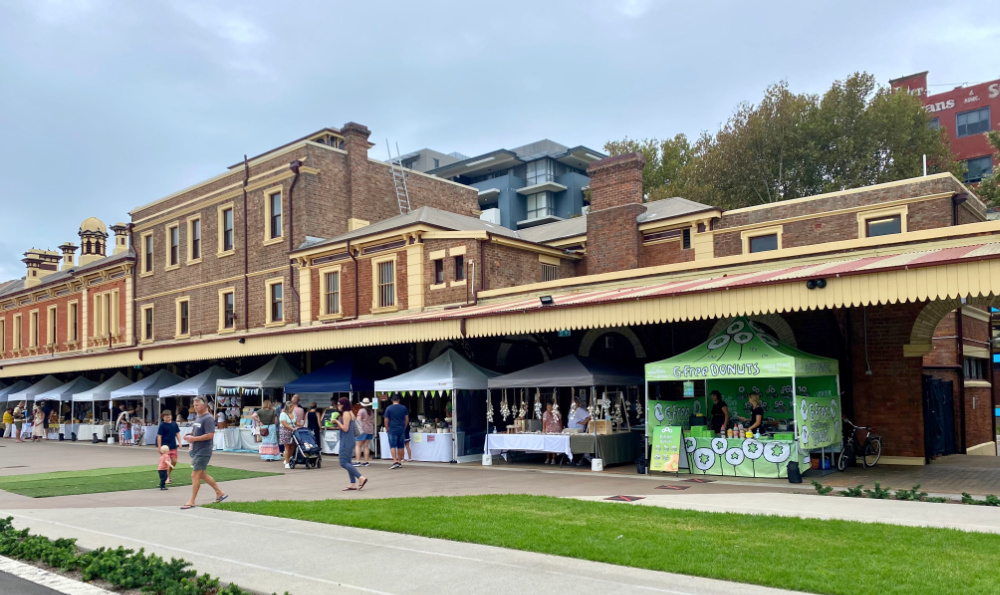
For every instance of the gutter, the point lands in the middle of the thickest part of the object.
(246, 250)
(294, 166)
(357, 305)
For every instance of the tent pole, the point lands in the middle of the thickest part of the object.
(454, 425)
(645, 433)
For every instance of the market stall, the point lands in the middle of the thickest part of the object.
(242, 395)
(16, 387)
(741, 360)
(449, 379)
(326, 385)
(204, 385)
(144, 390)
(64, 394)
(610, 390)
(95, 426)
(28, 396)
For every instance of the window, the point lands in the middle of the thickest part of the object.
(540, 205)
(764, 243)
(173, 245)
(686, 239)
(147, 253)
(550, 272)
(439, 271)
(227, 310)
(460, 268)
(50, 326)
(3, 337)
(975, 368)
(437, 163)
(331, 293)
(273, 215)
(194, 240)
(934, 124)
(277, 302)
(73, 325)
(386, 284)
(183, 317)
(17, 332)
(974, 122)
(33, 329)
(540, 171)
(226, 240)
(977, 168)
(883, 226)
(147, 323)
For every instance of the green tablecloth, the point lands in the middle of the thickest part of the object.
(613, 449)
(740, 458)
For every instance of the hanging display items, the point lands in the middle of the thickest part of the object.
(504, 408)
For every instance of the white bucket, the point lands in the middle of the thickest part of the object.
(487, 459)
(111, 439)
(596, 464)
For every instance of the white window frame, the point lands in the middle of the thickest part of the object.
(169, 232)
(191, 258)
(325, 313)
(221, 229)
(269, 238)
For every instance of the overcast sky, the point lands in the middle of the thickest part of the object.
(109, 105)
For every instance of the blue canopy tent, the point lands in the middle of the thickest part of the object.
(339, 377)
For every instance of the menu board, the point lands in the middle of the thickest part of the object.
(667, 449)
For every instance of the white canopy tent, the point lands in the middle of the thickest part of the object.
(28, 394)
(201, 384)
(274, 374)
(148, 387)
(65, 392)
(101, 392)
(17, 386)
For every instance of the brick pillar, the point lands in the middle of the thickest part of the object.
(613, 239)
(356, 143)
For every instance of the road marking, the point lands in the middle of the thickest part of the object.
(48, 579)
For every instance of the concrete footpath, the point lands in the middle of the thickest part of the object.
(305, 558)
(915, 514)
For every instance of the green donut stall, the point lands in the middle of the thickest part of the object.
(742, 359)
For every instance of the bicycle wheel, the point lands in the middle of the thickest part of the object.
(846, 457)
(873, 451)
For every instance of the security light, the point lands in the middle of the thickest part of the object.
(546, 300)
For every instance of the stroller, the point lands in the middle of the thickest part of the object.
(307, 452)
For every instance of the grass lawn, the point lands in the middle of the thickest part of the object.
(801, 554)
(116, 479)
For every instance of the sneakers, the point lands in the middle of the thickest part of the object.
(364, 464)
(395, 466)
(287, 466)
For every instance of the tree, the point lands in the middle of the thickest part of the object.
(790, 145)
(989, 187)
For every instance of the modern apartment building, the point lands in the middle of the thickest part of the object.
(534, 184)
(425, 160)
(967, 113)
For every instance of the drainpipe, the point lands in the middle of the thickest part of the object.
(135, 303)
(294, 166)
(482, 268)
(961, 374)
(351, 254)
(955, 201)
(246, 249)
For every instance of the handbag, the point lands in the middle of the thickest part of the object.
(357, 428)
(264, 431)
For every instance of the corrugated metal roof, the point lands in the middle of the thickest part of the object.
(672, 207)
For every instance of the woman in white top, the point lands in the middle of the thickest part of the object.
(286, 426)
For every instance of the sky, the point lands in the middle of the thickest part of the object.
(107, 105)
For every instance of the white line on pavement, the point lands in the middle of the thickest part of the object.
(48, 579)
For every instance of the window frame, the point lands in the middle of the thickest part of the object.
(377, 305)
(148, 327)
(191, 257)
(324, 290)
(865, 216)
(549, 208)
(750, 234)
(458, 261)
(33, 319)
(72, 322)
(967, 179)
(550, 272)
(3, 338)
(269, 300)
(179, 331)
(269, 236)
(958, 127)
(52, 326)
(17, 334)
(223, 321)
(222, 251)
(148, 255)
(438, 272)
(172, 250)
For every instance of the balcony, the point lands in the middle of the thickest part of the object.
(541, 187)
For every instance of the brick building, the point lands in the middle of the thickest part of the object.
(303, 251)
(967, 113)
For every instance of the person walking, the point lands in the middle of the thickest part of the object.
(169, 435)
(299, 412)
(201, 439)
(345, 423)
(8, 422)
(397, 419)
(37, 427)
(367, 419)
(286, 421)
(266, 418)
(18, 420)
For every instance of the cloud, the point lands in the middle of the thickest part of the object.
(225, 24)
(633, 9)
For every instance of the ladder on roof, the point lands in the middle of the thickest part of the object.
(398, 179)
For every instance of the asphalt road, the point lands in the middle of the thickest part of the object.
(12, 584)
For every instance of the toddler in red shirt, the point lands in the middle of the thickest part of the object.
(164, 465)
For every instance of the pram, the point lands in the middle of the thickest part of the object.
(307, 451)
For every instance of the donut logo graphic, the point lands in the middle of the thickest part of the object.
(704, 459)
(718, 342)
(735, 327)
(734, 456)
(805, 436)
(719, 445)
(768, 340)
(777, 452)
(658, 412)
(690, 444)
(804, 410)
(742, 338)
(752, 449)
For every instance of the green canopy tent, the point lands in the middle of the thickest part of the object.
(744, 358)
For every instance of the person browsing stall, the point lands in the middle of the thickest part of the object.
(551, 424)
(756, 420)
(720, 413)
(397, 420)
(580, 418)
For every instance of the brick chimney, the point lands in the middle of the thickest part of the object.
(356, 144)
(40, 264)
(69, 253)
(613, 238)
(121, 238)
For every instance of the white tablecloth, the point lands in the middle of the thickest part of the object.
(330, 441)
(425, 447)
(87, 431)
(559, 443)
(248, 441)
(69, 429)
(227, 439)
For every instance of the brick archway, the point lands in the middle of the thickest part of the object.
(773, 321)
(922, 333)
(505, 348)
(594, 334)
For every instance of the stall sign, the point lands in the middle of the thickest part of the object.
(673, 413)
(667, 449)
(688, 388)
(819, 421)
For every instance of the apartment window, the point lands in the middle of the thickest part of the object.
(437, 163)
(974, 122)
(460, 268)
(173, 245)
(331, 293)
(183, 317)
(17, 341)
(540, 205)
(50, 326)
(883, 226)
(976, 169)
(147, 253)
(274, 215)
(276, 302)
(226, 229)
(540, 171)
(550, 272)
(975, 368)
(227, 301)
(74, 322)
(386, 284)
(147, 323)
(439, 271)
(194, 239)
(764, 243)
(934, 124)
(33, 329)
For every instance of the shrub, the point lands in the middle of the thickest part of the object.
(821, 489)
(878, 493)
(911, 495)
(854, 492)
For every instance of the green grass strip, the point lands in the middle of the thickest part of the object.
(115, 479)
(811, 555)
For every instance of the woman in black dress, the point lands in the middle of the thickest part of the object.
(756, 420)
(312, 421)
(720, 413)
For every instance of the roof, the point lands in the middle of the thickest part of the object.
(578, 156)
(17, 285)
(288, 144)
(567, 228)
(672, 207)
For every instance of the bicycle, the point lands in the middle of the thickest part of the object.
(870, 448)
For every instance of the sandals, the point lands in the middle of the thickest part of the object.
(362, 484)
(187, 507)
(349, 490)
(221, 498)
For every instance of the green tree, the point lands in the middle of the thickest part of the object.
(663, 175)
(989, 187)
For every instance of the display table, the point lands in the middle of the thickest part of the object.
(87, 431)
(68, 430)
(437, 448)
(330, 441)
(557, 443)
(735, 457)
(614, 449)
(248, 440)
(227, 439)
